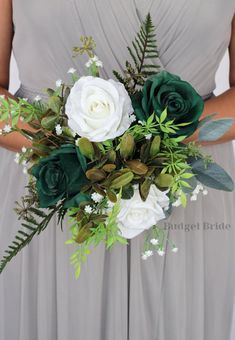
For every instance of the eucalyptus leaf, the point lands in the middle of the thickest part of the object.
(55, 104)
(127, 192)
(206, 119)
(214, 129)
(212, 175)
(49, 122)
(50, 92)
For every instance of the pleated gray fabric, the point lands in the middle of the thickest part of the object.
(189, 295)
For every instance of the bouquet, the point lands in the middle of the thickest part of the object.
(110, 155)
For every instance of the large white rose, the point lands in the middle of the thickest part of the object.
(98, 109)
(136, 215)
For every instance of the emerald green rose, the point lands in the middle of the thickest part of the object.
(60, 176)
(162, 90)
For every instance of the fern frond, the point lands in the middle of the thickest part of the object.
(142, 51)
(35, 221)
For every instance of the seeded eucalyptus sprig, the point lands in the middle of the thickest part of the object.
(88, 46)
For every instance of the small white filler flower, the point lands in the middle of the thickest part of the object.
(88, 209)
(96, 197)
(58, 130)
(95, 60)
(154, 241)
(72, 70)
(7, 128)
(59, 83)
(161, 252)
(38, 98)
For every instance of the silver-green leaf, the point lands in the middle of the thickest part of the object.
(215, 129)
(212, 175)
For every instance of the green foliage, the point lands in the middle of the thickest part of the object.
(34, 221)
(88, 46)
(21, 109)
(163, 242)
(206, 119)
(142, 52)
(103, 232)
(212, 175)
(214, 129)
(155, 126)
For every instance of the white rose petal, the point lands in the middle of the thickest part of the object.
(136, 215)
(98, 109)
(110, 205)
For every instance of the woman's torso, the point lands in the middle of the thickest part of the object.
(192, 36)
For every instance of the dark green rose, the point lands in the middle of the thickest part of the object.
(60, 176)
(162, 90)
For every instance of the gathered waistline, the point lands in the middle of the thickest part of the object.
(25, 91)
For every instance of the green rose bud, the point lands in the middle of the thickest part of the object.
(162, 90)
(59, 176)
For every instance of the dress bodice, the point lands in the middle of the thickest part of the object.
(192, 36)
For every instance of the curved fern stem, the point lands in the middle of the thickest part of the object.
(30, 228)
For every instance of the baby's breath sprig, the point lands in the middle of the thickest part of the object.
(156, 241)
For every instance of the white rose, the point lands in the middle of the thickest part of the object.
(136, 215)
(98, 109)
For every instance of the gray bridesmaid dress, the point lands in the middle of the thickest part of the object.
(184, 296)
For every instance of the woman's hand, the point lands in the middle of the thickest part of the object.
(14, 141)
(224, 104)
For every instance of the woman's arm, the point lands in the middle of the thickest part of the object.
(14, 141)
(223, 104)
